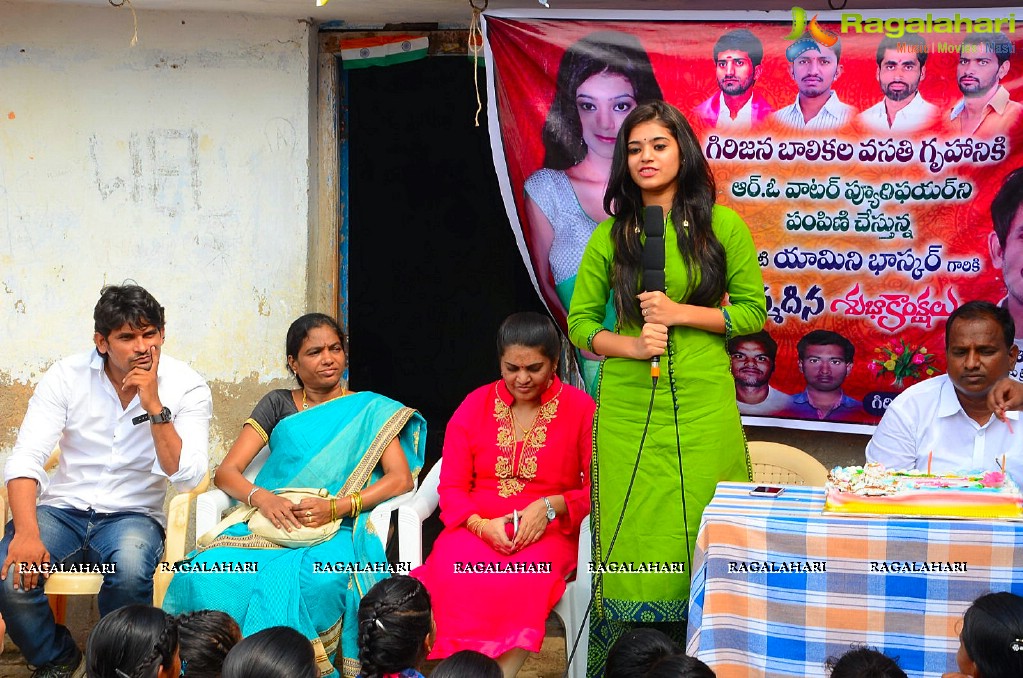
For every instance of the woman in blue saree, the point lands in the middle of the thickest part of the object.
(362, 448)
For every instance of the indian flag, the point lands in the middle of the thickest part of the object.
(382, 50)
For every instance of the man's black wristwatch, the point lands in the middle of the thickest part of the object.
(161, 417)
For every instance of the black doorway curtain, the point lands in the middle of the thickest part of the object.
(433, 265)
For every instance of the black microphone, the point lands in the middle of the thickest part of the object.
(653, 264)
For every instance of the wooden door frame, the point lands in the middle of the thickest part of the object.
(327, 269)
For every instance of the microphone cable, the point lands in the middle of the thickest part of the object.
(681, 475)
(621, 519)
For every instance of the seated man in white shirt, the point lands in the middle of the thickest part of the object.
(948, 419)
(128, 420)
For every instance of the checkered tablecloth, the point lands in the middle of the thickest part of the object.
(836, 591)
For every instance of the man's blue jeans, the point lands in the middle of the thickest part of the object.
(131, 542)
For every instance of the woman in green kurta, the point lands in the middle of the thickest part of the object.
(714, 290)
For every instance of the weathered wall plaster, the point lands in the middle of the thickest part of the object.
(182, 163)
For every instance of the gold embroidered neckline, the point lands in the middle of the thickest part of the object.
(516, 466)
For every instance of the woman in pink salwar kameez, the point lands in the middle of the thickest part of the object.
(516, 452)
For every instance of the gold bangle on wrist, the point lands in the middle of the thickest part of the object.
(333, 509)
(476, 525)
(356, 499)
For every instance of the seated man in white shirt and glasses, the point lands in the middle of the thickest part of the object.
(128, 420)
(950, 420)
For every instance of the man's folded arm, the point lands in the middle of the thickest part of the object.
(192, 423)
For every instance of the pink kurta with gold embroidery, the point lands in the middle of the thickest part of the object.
(486, 472)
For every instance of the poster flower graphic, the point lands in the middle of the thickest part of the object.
(902, 361)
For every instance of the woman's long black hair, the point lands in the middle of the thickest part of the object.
(611, 52)
(702, 253)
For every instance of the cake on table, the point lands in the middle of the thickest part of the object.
(875, 489)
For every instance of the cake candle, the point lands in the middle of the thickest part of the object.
(930, 458)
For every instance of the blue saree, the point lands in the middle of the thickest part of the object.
(337, 446)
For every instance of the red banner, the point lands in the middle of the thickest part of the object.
(871, 212)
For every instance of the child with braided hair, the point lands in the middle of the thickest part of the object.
(206, 636)
(135, 641)
(396, 629)
(991, 639)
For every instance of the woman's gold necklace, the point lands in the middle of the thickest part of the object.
(305, 402)
(525, 431)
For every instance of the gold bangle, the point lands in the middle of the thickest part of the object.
(356, 499)
(476, 526)
(333, 509)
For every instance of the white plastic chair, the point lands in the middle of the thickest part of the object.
(780, 464)
(210, 506)
(570, 609)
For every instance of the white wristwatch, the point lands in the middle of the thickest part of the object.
(551, 514)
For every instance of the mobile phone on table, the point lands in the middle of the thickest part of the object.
(766, 491)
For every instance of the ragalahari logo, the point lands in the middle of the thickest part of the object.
(800, 26)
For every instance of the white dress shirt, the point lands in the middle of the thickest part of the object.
(928, 418)
(833, 114)
(911, 117)
(107, 463)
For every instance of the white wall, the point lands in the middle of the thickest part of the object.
(182, 163)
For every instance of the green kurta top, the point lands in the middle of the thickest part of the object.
(694, 411)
